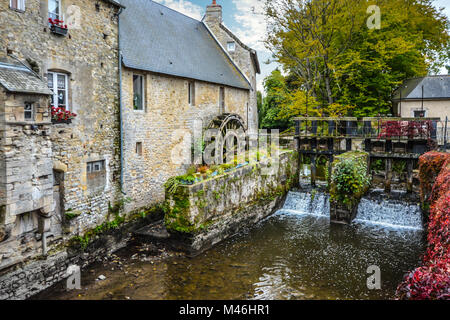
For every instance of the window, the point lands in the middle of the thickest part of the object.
(17, 4)
(96, 175)
(138, 92)
(59, 83)
(29, 111)
(95, 166)
(139, 148)
(191, 93)
(231, 46)
(222, 100)
(419, 113)
(54, 9)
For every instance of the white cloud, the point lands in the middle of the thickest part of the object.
(252, 30)
(184, 6)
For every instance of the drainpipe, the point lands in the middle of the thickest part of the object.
(120, 103)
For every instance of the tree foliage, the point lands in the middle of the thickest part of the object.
(335, 57)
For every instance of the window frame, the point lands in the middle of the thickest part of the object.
(32, 113)
(90, 166)
(142, 77)
(55, 86)
(222, 99)
(20, 5)
(420, 110)
(233, 43)
(191, 93)
(139, 148)
(58, 15)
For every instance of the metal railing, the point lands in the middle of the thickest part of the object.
(368, 128)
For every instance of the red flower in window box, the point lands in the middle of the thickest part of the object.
(61, 115)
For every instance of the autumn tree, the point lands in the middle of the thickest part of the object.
(336, 58)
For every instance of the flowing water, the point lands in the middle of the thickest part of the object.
(294, 254)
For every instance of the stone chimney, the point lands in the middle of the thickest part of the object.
(213, 16)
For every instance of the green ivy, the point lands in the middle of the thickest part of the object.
(349, 178)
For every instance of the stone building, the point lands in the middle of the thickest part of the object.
(424, 97)
(64, 53)
(95, 97)
(177, 71)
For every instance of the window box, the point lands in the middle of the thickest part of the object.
(58, 27)
(55, 121)
(60, 115)
(58, 30)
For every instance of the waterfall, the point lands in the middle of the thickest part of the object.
(389, 213)
(380, 210)
(314, 203)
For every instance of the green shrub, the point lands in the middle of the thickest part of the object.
(349, 178)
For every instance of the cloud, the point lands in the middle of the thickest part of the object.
(252, 30)
(184, 6)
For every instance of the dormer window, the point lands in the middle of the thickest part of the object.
(231, 46)
(17, 5)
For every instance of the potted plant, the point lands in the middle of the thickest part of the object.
(58, 27)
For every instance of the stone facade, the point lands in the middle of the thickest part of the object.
(166, 123)
(46, 163)
(61, 180)
(244, 57)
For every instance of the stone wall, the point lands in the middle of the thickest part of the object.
(89, 56)
(241, 56)
(25, 176)
(205, 213)
(164, 127)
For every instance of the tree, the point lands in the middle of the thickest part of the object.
(328, 47)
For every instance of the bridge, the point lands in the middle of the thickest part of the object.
(383, 138)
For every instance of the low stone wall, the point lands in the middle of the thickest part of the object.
(35, 275)
(203, 214)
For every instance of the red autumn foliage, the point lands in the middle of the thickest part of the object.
(408, 129)
(430, 166)
(432, 280)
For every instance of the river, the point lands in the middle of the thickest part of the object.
(293, 254)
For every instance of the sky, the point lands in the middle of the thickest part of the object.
(245, 19)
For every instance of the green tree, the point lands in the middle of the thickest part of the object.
(327, 46)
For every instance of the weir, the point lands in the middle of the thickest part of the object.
(395, 144)
(374, 208)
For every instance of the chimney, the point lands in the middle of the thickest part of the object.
(213, 14)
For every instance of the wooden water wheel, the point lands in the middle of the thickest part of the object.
(229, 126)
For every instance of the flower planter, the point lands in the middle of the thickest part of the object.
(62, 121)
(58, 30)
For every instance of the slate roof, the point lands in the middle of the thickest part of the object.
(434, 87)
(158, 39)
(17, 78)
(253, 52)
